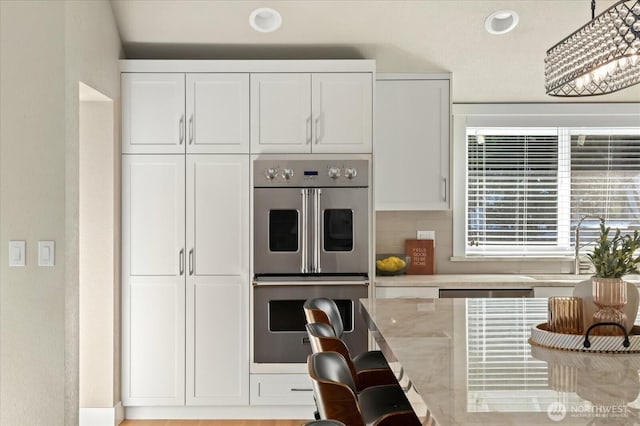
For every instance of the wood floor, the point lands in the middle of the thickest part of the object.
(213, 422)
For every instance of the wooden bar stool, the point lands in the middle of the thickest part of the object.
(338, 398)
(366, 370)
(325, 310)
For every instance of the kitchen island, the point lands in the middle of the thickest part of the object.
(469, 363)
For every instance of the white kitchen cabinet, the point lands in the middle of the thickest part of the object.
(407, 292)
(185, 279)
(217, 370)
(176, 112)
(217, 113)
(153, 113)
(281, 113)
(316, 112)
(281, 389)
(153, 295)
(552, 291)
(217, 280)
(412, 148)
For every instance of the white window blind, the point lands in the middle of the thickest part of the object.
(605, 180)
(527, 188)
(512, 190)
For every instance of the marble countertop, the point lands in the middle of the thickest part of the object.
(470, 363)
(487, 280)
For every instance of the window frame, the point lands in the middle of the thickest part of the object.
(573, 115)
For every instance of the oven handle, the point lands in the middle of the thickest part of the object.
(303, 283)
(317, 237)
(304, 267)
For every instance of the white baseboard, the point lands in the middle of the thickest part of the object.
(239, 412)
(102, 416)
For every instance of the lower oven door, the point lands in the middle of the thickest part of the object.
(279, 321)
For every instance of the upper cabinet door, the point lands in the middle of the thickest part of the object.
(217, 113)
(280, 112)
(412, 144)
(153, 113)
(342, 112)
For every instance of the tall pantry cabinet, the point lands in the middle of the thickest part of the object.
(190, 130)
(185, 238)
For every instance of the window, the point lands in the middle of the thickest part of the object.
(528, 188)
(529, 180)
(512, 188)
(605, 178)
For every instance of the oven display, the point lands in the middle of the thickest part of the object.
(311, 173)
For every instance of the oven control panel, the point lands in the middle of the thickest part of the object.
(310, 173)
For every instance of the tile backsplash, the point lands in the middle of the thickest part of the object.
(394, 227)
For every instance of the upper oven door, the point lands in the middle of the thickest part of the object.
(279, 237)
(341, 239)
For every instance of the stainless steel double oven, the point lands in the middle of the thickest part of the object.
(311, 239)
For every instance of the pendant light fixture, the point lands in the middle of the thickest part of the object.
(601, 57)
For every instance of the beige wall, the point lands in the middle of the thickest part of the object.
(45, 48)
(393, 228)
(32, 194)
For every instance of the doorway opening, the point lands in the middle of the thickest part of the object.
(99, 312)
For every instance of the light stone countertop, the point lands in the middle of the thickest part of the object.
(470, 364)
(486, 280)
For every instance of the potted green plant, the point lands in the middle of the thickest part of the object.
(612, 258)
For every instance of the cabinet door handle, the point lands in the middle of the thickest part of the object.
(181, 260)
(301, 390)
(308, 129)
(191, 262)
(181, 129)
(315, 128)
(444, 189)
(191, 129)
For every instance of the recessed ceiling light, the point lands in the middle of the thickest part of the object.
(265, 20)
(501, 22)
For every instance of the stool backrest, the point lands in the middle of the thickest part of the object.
(323, 309)
(323, 339)
(334, 388)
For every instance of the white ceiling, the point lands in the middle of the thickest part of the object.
(402, 35)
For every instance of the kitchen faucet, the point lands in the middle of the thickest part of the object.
(576, 255)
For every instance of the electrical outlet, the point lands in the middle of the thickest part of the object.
(426, 235)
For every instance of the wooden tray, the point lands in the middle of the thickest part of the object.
(541, 336)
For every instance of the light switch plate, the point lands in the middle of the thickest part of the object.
(46, 253)
(17, 253)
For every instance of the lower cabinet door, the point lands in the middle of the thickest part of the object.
(281, 389)
(217, 363)
(153, 341)
(408, 292)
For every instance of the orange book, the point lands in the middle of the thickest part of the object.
(422, 257)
